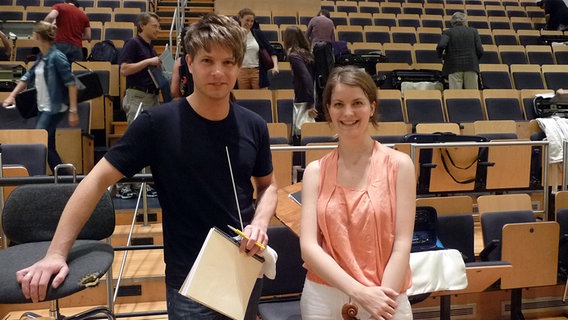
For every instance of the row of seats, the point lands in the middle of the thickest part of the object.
(437, 9)
(523, 3)
(141, 4)
(504, 54)
(37, 13)
(413, 106)
(412, 35)
(432, 20)
(370, 18)
(118, 32)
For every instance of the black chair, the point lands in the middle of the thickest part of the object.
(29, 220)
(491, 227)
(496, 78)
(562, 219)
(32, 156)
(261, 107)
(281, 297)
(504, 108)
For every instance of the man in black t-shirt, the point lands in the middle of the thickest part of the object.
(185, 144)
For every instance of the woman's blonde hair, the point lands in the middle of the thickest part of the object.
(45, 30)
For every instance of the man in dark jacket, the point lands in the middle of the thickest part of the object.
(460, 47)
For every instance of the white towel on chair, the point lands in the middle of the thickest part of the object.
(269, 266)
(556, 130)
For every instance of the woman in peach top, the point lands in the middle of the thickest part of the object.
(358, 206)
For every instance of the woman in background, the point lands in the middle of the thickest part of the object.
(253, 74)
(302, 63)
(182, 80)
(358, 207)
(52, 77)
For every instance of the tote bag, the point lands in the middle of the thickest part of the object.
(26, 103)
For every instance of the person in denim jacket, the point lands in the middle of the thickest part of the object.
(52, 77)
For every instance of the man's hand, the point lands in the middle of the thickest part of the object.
(35, 279)
(254, 234)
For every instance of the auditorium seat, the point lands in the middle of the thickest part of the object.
(398, 52)
(410, 8)
(339, 18)
(490, 55)
(365, 47)
(503, 104)
(377, 34)
(369, 8)
(478, 22)
(473, 10)
(118, 30)
(450, 9)
(432, 21)
(99, 14)
(259, 101)
(403, 35)
(423, 106)
(486, 36)
(522, 23)
(528, 37)
(385, 70)
(389, 106)
(346, 6)
(284, 104)
(12, 13)
(360, 19)
(285, 17)
(526, 76)
(495, 76)
(390, 7)
(555, 76)
(425, 53)
(108, 4)
(560, 54)
(283, 79)
(505, 37)
(384, 19)
(511, 54)
(349, 33)
(429, 34)
(408, 20)
(495, 11)
(463, 105)
(36, 13)
(434, 8)
(515, 12)
(499, 23)
(271, 32)
(539, 54)
(140, 4)
(527, 99)
(125, 14)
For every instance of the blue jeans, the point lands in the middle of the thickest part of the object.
(183, 308)
(48, 121)
(72, 52)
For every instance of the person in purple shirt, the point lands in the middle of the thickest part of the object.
(321, 28)
(302, 63)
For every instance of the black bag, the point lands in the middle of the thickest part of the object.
(90, 86)
(450, 165)
(9, 76)
(324, 62)
(367, 60)
(104, 51)
(425, 234)
(26, 103)
(280, 52)
(400, 76)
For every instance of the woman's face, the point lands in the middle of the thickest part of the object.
(247, 21)
(350, 109)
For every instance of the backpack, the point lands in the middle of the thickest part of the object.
(104, 51)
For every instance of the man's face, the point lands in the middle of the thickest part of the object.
(151, 30)
(214, 72)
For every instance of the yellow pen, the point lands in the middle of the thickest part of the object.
(242, 234)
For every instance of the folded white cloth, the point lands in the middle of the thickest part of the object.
(437, 270)
(269, 266)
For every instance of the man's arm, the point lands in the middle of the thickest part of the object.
(267, 198)
(127, 69)
(76, 213)
(87, 34)
(51, 16)
(6, 44)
